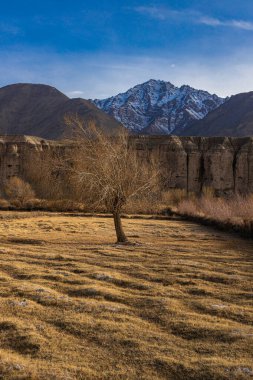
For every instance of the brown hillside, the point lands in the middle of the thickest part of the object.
(39, 110)
(233, 118)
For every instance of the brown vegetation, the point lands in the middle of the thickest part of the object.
(18, 191)
(178, 305)
(236, 211)
(235, 208)
(106, 171)
(42, 171)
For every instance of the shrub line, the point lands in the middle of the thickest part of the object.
(245, 230)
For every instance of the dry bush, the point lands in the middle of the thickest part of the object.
(188, 207)
(61, 205)
(43, 172)
(226, 209)
(4, 204)
(55, 205)
(237, 210)
(208, 192)
(32, 204)
(173, 197)
(18, 191)
(243, 206)
(150, 204)
(215, 208)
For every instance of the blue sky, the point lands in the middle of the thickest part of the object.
(97, 48)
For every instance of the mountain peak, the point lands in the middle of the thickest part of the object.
(156, 82)
(159, 107)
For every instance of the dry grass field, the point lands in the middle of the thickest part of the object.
(73, 305)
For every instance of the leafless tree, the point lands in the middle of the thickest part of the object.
(107, 170)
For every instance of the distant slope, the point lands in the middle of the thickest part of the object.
(39, 110)
(233, 118)
(159, 107)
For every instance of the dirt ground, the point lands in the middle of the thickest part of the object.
(74, 305)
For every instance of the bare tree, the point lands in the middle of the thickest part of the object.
(107, 170)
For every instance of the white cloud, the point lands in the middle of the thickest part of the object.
(209, 21)
(75, 93)
(161, 13)
(240, 24)
(246, 25)
(189, 15)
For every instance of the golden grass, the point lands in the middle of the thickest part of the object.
(178, 305)
(233, 213)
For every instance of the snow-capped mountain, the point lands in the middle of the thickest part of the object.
(159, 107)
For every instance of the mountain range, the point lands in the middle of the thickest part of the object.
(39, 110)
(233, 118)
(154, 107)
(157, 107)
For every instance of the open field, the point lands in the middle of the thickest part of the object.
(73, 305)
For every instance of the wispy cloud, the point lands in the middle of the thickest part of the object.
(211, 21)
(192, 16)
(75, 93)
(240, 24)
(160, 13)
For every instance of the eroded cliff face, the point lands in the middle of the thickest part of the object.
(223, 163)
(15, 151)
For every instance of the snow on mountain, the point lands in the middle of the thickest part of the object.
(159, 107)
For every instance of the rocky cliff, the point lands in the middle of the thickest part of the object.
(225, 164)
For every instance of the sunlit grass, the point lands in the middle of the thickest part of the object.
(177, 305)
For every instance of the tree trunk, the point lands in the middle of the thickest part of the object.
(121, 237)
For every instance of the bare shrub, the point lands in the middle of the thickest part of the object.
(149, 204)
(42, 171)
(221, 210)
(61, 205)
(242, 206)
(226, 209)
(31, 204)
(215, 208)
(18, 191)
(237, 210)
(174, 196)
(208, 192)
(4, 204)
(188, 207)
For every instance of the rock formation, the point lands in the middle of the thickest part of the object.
(191, 163)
